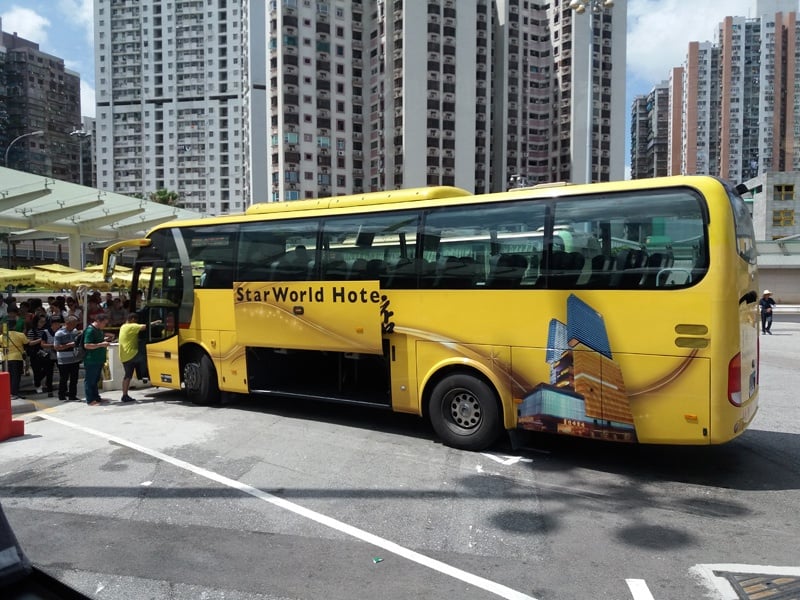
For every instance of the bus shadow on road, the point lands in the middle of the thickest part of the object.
(372, 418)
(756, 461)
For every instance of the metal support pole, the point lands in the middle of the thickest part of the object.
(16, 139)
(590, 98)
(81, 134)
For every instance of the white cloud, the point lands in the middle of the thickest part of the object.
(659, 31)
(87, 99)
(81, 13)
(26, 23)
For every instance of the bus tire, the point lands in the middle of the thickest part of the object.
(464, 412)
(200, 380)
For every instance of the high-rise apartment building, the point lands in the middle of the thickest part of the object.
(374, 95)
(169, 82)
(38, 94)
(650, 121)
(738, 103)
(256, 101)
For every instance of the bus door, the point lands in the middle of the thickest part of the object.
(163, 288)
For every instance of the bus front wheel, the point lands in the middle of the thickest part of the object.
(464, 413)
(200, 379)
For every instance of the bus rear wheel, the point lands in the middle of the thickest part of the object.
(200, 379)
(464, 413)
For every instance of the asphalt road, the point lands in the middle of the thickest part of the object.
(288, 500)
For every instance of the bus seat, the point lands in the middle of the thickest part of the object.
(506, 271)
(601, 267)
(335, 270)
(401, 273)
(376, 269)
(654, 265)
(628, 269)
(357, 269)
(292, 266)
(453, 273)
(565, 269)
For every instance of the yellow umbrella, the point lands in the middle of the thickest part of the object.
(55, 268)
(89, 279)
(17, 277)
(99, 268)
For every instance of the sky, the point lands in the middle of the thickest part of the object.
(659, 32)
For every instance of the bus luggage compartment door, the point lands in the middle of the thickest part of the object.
(163, 364)
(340, 316)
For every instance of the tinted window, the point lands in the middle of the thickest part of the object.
(373, 246)
(278, 250)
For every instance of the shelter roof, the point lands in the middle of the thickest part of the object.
(37, 207)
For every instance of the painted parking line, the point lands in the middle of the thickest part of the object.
(431, 563)
(639, 589)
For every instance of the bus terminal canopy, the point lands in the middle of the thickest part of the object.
(34, 207)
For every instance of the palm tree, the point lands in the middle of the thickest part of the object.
(164, 196)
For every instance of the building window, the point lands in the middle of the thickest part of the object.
(784, 192)
(782, 218)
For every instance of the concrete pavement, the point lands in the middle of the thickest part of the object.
(32, 401)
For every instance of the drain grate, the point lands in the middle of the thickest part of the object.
(751, 586)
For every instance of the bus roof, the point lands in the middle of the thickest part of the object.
(366, 199)
(434, 195)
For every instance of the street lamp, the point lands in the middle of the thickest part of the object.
(18, 138)
(81, 134)
(595, 7)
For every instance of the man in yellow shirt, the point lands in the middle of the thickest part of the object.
(132, 360)
(16, 347)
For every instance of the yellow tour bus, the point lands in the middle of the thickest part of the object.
(620, 311)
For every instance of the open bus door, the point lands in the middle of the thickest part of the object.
(164, 307)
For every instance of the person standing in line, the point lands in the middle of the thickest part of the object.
(130, 353)
(16, 352)
(39, 357)
(69, 363)
(48, 343)
(73, 309)
(766, 304)
(96, 343)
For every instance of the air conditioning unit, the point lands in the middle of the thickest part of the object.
(340, 153)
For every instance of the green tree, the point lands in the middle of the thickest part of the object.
(164, 196)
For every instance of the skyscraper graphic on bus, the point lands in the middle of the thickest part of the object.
(586, 393)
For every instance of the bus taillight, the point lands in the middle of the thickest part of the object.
(735, 380)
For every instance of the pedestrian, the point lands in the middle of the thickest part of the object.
(117, 313)
(48, 343)
(766, 304)
(17, 341)
(131, 355)
(69, 362)
(96, 342)
(38, 355)
(73, 309)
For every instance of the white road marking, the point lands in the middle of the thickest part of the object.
(639, 589)
(430, 563)
(723, 587)
(506, 461)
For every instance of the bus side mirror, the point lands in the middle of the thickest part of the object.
(108, 273)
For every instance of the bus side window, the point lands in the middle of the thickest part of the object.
(217, 276)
